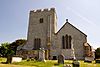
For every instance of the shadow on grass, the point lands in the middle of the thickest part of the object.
(56, 64)
(4, 62)
(60, 65)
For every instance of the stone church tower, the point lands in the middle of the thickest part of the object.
(41, 30)
(42, 33)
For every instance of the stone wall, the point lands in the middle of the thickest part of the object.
(28, 53)
(78, 39)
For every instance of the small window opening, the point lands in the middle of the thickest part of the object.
(41, 20)
(54, 58)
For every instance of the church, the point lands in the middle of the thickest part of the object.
(43, 34)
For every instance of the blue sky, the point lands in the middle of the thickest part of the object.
(84, 14)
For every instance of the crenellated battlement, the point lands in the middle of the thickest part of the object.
(43, 10)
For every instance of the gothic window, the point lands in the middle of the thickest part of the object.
(66, 42)
(70, 38)
(63, 42)
(37, 43)
(41, 20)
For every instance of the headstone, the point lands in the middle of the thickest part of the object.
(54, 58)
(67, 65)
(76, 63)
(16, 59)
(97, 60)
(61, 59)
(42, 55)
(89, 59)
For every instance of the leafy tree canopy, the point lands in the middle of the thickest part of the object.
(8, 49)
(16, 43)
(5, 50)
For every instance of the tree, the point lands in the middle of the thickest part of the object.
(97, 53)
(5, 50)
(16, 43)
(9, 49)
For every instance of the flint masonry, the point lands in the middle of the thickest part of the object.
(42, 33)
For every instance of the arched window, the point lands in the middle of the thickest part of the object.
(63, 42)
(70, 38)
(37, 43)
(66, 42)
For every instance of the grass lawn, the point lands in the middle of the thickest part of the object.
(48, 63)
(93, 64)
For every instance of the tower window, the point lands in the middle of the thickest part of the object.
(37, 43)
(41, 20)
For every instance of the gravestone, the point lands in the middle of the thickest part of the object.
(97, 60)
(76, 63)
(89, 59)
(61, 59)
(11, 59)
(67, 65)
(42, 55)
(16, 59)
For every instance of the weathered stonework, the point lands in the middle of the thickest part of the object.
(51, 40)
(40, 30)
(78, 40)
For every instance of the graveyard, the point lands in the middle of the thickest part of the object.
(49, 63)
(41, 61)
(49, 33)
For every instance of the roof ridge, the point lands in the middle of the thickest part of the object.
(72, 26)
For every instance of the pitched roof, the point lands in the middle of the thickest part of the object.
(72, 26)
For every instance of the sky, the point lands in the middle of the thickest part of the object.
(83, 14)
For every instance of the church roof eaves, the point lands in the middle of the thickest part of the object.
(72, 26)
